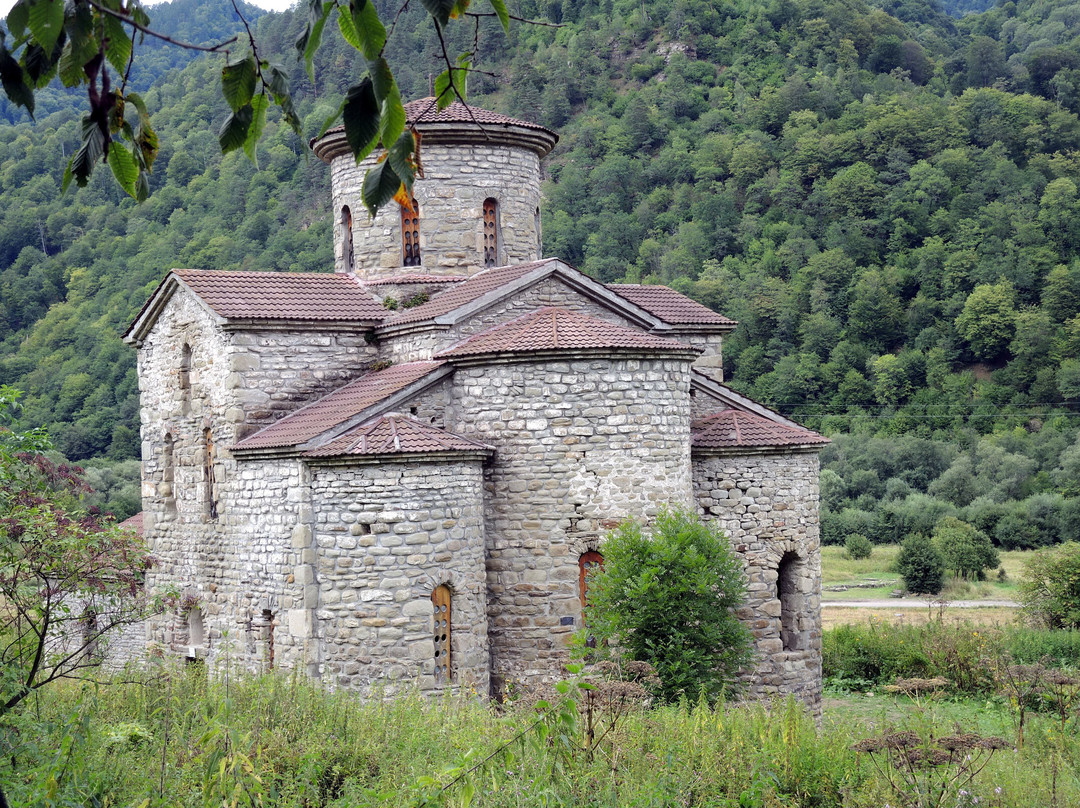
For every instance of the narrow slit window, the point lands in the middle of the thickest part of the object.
(208, 474)
(184, 376)
(410, 235)
(787, 590)
(168, 474)
(588, 563)
(347, 239)
(491, 233)
(440, 601)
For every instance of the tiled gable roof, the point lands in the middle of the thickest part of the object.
(134, 523)
(670, 306)
(732, 429)
(472, 289)
(283, 295)
(554, 328)
(337, 407)
(396, 434)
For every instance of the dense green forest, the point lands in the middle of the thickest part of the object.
(884, 195)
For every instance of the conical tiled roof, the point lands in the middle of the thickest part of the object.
(734, 429)
(396, 434)
(553, 329)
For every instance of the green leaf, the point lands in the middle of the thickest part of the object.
(381, 78)
(279, 88)
(312, 37)
(145, 137)
(46, 21)
(82, 42)
(499, 7)
(238, 82)
(402, 158)
(117, 43)
(38, 65)
(234, 130)
(380, 185)
(360, 115)
(443, 91)
(91, 150)
(392, 119)
(369, 28)
(124, 168)
(259, 105)
(439, 9)
(14, 81)
(18, 18)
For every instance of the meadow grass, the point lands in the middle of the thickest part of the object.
(178, 738)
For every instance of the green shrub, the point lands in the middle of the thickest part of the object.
(667, 597)
(1050, 587)
(920, 565)
(966, 550)
(858, 546)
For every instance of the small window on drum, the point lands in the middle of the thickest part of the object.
(440, 601)
(491, 233)
(347, 239)
(410, 235)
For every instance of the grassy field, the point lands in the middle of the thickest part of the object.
(179, 739)
(873, 578)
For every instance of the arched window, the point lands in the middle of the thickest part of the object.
(440, 601)
(410, 235)
(208, 474)
(539, 238)
(196, 635)
(168, 474)
(791, 602)
(184, 376)
(346, 239)
(491, 233)
(587, 562)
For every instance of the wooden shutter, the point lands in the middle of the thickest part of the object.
(440, 600)
(410, 236)
(491, 238)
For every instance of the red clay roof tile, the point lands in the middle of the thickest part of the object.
(396, 434)
(337, 407)
(402, 279)
(730, 429)
(423, 110)
(670, 306)
(475, 287)
(553, 328)
(283, 295)
(134, 523)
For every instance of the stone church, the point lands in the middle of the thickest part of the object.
(396, 474)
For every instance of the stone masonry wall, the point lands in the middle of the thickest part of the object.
(581, 444)
(457, 180)
(768, 507)
(385, 536)
(272, 373)
(235, 568)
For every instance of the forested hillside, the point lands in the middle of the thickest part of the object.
(885, 196)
